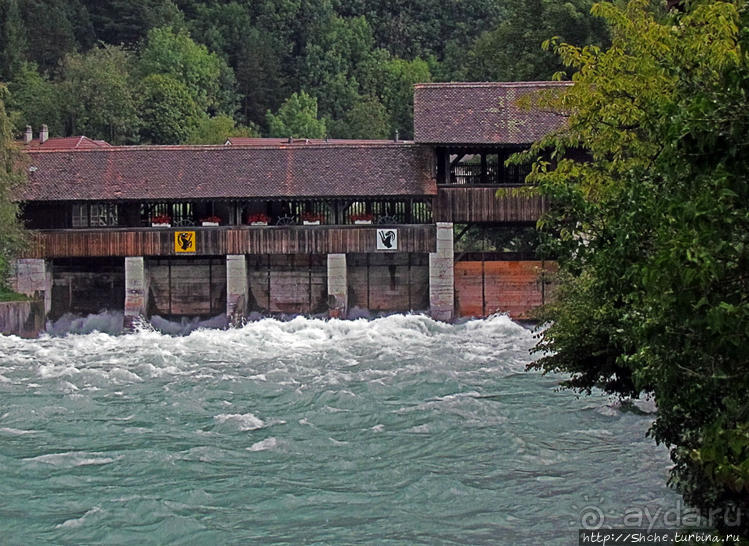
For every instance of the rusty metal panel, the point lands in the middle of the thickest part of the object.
(469, 300)
(513, 287)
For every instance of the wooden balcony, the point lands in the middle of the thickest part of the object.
(479, 204)
(217, 241)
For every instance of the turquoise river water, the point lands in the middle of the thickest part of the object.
(398, 430)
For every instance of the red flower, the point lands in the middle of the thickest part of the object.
(311, 217)
(361, 216)
(259, 217)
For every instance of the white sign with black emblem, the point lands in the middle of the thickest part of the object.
(387, 239)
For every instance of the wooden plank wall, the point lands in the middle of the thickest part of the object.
(466, 204)
(291, 284)
(225, 240)
(388, 282)
(513, 287)
(187, 287)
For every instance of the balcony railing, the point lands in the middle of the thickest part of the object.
(472, 174)
(331, 211)
(481, 204)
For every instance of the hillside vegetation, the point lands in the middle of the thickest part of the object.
(191, 71)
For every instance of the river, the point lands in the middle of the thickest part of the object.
(397, 430)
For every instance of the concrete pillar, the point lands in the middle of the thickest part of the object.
(337, 286)
(33, 277)
(136, 290)
(442, 275)
(237, 288)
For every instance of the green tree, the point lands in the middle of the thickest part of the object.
(11, 177)
(207, 77)
(54, 28)
(218, 129)
(260, 81)
(366, 119)
(335, 50)
(392, 81)
(12, 38)
(651, 229)
(169, 113)
(421, 28)
(119, 22)
(297, 118)
(221, 27)
(100, 98)
(34, 100)
(512, 51)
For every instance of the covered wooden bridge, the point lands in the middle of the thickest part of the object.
(278, 226)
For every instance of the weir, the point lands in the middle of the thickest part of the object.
(314, 227)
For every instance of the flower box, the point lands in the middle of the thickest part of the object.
(311, 218)
(258, 219)
(362, 218)
(209, 224)
(161, 220)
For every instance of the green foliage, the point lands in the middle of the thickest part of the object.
(126, 22)
(9, 295)
(420, 28)
(260, 82)
(366, 119)
(329, 67)
(392, 81)
(12, 38)
(34, 100)
(12, 237)
(297, 118)
(218, 129)
(243, 58)
(100, 100)
(652, 232)
(206, 76)
(169, 113)
(53, 29)
(512, 50)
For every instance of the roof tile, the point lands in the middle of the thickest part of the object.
(204, 172)
(481, 113)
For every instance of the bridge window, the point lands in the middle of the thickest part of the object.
(94, 215)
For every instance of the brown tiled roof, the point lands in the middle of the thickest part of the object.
(256, 141)
(68, 143)
(184, 172)
(481, 113)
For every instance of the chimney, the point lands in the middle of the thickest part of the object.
(397, 135)
(43, 134)
(28, 136)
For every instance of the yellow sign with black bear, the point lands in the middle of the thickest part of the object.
(184, 241)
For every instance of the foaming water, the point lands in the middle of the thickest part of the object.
(398, 429)
(111, 322)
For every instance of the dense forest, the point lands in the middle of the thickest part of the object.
(197, 71)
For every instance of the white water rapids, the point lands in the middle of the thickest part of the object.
(395, 430)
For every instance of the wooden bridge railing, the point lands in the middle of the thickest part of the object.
(480, 204)
(216, 241)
